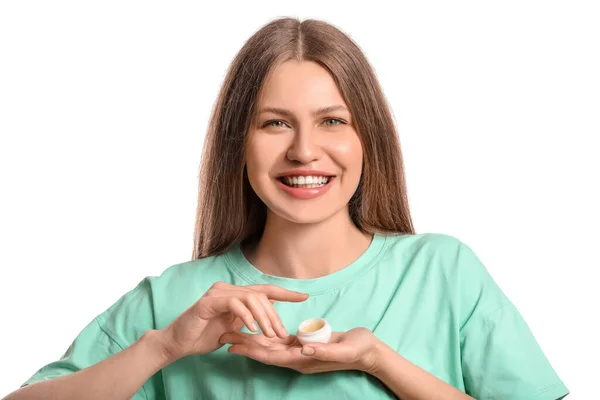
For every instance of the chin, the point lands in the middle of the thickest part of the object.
(303, 211)
(303, 214)
(308, 219)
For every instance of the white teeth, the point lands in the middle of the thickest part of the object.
(306, 181)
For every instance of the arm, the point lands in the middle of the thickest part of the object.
(108, 370)
(118, 377)
(357, 349)
(405, 379)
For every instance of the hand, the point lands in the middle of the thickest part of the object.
(352, 350)
(226, 308)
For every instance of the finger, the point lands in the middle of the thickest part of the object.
(221, 301)
(330, 352)
(242, 312)
(255, 352)
(279, 293)
(257, 302)
(237, 323)
(254, 339)
(272, 291)
(236, 337)
(219, 305)
(257, 308)
(283, 358)
(273, 317)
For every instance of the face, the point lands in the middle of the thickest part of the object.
(303, 156)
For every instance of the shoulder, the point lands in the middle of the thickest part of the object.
(442, 246)
(156, 300)
(445, 265)
(183, 283)
(442, 260)
(207, 270)
(187, 274)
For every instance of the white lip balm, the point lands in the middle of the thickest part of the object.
(314, 330)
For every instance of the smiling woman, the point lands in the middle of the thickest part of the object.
(303, 216)
(306, 156)
(318, 111)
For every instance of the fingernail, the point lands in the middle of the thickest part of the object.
(281, 332)
(254, 326)
(308, 351)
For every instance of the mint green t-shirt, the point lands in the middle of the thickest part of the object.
(428, 296)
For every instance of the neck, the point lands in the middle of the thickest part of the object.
(307, 251)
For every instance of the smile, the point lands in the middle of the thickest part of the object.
(305, 187)
(307, 182)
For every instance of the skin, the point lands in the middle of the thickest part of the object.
(311, 238)
(302, 239)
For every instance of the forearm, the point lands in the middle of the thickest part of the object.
(118, 377)
(408, 381)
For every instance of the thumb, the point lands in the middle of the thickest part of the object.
(329, 352)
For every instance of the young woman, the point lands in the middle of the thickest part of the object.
(303, 213)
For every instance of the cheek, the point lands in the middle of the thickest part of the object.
(347, 153)
(253, 166)
(260, 159)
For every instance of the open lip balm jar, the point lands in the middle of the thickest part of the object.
(314, 330)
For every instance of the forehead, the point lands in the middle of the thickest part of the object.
(300, 85)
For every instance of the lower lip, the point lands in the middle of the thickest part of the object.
(305, 193)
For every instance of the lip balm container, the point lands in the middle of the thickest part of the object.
(314, 330)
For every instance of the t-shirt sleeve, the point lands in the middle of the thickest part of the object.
(107, 334)
(91, 346)
(499, 355)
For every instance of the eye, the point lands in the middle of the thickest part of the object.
(337, 121)
(274, 123)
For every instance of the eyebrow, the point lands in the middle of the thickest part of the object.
(288, 113)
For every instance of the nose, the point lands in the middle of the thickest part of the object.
(304, 149)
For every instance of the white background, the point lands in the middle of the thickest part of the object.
(104, 105)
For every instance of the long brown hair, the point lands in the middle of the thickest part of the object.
(229, 212)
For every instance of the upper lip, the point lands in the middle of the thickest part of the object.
(304, 172)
